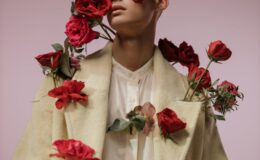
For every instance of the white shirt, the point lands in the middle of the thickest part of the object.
(127, 90)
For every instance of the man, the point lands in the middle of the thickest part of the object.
(128, 72)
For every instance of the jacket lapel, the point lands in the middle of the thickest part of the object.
(169, 87)
(88, 123)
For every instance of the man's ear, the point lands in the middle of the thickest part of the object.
(162, 4)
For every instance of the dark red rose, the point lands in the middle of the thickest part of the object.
(93, 8)
(51, 59)
(79, 32)
(229, 87)
(169, 51)
(218, 51)
(169, 122)
(196, 73)
(70, 90)
(187, 56)
(73, 150)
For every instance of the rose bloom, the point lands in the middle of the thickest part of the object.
(93, 8)
(229, 87)
(79, 32)
(187, 56)
(168, 122)
(51, 59)
(148, 110)
(196, 73)
(70, 90)
(73, 150)
(218, 51)
(169, 51)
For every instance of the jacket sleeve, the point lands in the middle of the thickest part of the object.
(206, 143)
(213, 148)
(36, 142)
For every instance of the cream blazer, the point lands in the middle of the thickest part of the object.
(199, 141)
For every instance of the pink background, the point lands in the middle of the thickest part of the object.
(28, 27)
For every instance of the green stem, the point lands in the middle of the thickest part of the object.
(100, 24)
(174, 63)
(54, 81)
(108, 28)
(200, 79)
(104, 37)
(186, 93)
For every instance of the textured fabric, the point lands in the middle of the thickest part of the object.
(199, 141)
(127, 90)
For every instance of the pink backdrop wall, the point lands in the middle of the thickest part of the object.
(28, 27)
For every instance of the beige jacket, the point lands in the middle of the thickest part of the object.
(199, 141)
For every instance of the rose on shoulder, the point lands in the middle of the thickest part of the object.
(69, 91)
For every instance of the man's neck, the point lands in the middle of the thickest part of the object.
(133, 52)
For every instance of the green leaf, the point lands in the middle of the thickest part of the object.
(219, 117)
(57, 47)
(119, 125)
(66, 44)
(65, 65)
(138, 122)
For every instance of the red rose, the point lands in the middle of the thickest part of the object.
(187, 56)
(168, 122)
(218, 51)
(79, 32)
(196, 73)
(229, 87)
(93, 8)
(73, 150)
(51, 59)
(70, 90)
(169, 51)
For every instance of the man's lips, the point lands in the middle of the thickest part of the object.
(117, 7)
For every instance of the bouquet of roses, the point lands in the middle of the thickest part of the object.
(224, 95)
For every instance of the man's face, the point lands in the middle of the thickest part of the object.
(129, 15)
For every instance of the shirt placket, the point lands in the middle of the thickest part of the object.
(132, 101)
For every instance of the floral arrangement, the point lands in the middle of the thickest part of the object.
(64, 61)
(223, 96)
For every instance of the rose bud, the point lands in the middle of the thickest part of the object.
(169, 50)
(187, 56)
(195, 74)
(51, 59)
(218, 51)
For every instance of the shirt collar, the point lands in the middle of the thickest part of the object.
(132, 75)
